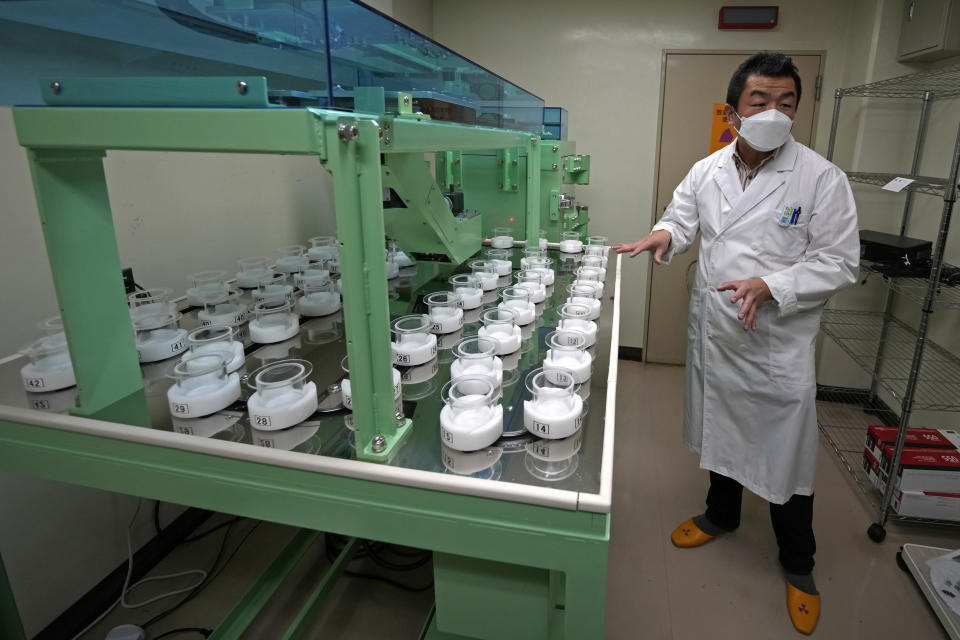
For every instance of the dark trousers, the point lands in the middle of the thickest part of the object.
(792, 522)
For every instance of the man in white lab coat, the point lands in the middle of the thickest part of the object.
(778, 228)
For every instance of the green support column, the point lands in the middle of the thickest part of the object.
(85, 263)
(533, 192)
(585, 591)
(354, 160)
(10, 626)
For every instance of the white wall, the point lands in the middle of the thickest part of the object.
(602, 61)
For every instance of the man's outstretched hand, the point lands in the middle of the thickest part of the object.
(753, 292)
(657, 242)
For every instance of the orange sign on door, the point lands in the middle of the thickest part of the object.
(722, 133)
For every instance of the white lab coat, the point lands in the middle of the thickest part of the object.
(749, 408)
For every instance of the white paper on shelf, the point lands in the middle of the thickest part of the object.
(897, 184)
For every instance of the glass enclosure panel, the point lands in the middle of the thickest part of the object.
(288, 41)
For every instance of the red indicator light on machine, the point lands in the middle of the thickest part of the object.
(512, 218)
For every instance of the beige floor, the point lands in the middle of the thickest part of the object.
(728, 589)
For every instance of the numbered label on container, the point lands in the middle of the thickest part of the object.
(34, 383)
(178, 346)
(188, 431)
(265, 442)
(401, 358)
(179, 408)
(261, 421)
(541, 427)
(43, 405)
(446, 435)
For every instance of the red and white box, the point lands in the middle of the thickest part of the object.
(879, 437)
(872, 467)
(927, 504)
(931, 470)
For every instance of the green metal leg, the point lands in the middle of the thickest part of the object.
(533, 192)
(299, 626)
(585, 592)
(10, 626)
(240, 617)
(358, 196)
(85, 262)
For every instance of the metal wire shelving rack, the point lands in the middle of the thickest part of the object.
(902, 362)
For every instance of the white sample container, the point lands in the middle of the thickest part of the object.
(532, 281)
(468, 287)
(595, 262)
(413, 344)
(576, 317)
(476, 357)
(273, 286)
(158, 336)
(486, 272)
(273, 321)
(346, 390)
(291, 259)
(49, 368)
(517, 300)
(586, 294)
(150, 302)
(501, 261)
(499, 325)
(445, 311)
(531, 252)
(542, 241)
(222, 307)
(313, 272)
(202, 386)
(590, 276)
(217, 339)
(502, 238)
(205, 283)
(252, 271)
(472, 417)
(567, 350)
(544, 266)
(320, 298)
(323, 249)
(284, 397)
(555, 410)
(597, 246)
(570, 242)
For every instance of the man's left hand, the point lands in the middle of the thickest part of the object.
(753, 292)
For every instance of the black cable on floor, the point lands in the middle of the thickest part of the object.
(156, 517)
(204, 534)
(202, 631)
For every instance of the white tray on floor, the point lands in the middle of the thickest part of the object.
(915, 556)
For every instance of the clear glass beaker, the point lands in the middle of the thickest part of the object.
(222, 307)
(501, 238)
(576, 317)
(204, 283)
(445, 311)
(314, 272)
(500, 259)
(281, 378)
(150, 302)
(320, 298)
(518, 300)
(273, 286)
(202, 374)
(476, 356)
(554, 395)
(570, 235)
(486, 272)
(413, 344)
(567, 350)
(291, 259)
(544, 266)
(472, 417)
(531, 252)
(323, 248)
(500, 325)
(252, 270)
(532, 281)
(601, 241)
(469, 288)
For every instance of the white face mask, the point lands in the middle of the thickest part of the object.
(765, 131)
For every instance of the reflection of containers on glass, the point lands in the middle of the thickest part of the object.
(576, 317)
(284, 396)
(218, 339)
(52, 401)
(483, 464)
(204, 283)
(544, 266)
(322, 330)
(323, 248)
(445, 312)
(286, 439)
(555, 409)
(202, 386)
(291, 259)
(446, 341)
(529, 253)
(501, 238)
(402, 259)
(553, 460)
(532, 281)
(210, 426)
(252, 271)
(273, 321)
(273, 286)
(517, 300)
(393, 269)
(158, 337)
(222, 307)
(586, 294)
(500, 259)
(320, 298)
(567, 350)
(417, 374)
(591, 276)
(472, 417)
(595, 262)
(468, 287)
(49, 368)
(346, 391)
(499, 325)
(412, 344)
(486, 272)
(570, 242)
(542, 240)
(476, 357)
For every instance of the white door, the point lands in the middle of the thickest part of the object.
(692, 84)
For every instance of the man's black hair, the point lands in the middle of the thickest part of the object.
(765, 63)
